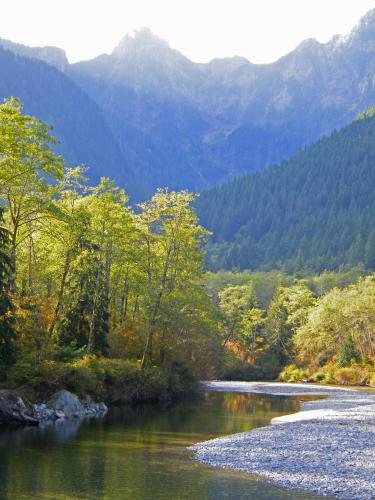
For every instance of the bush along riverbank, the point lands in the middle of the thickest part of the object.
(85, 387)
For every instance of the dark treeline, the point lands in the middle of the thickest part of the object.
(312, 212)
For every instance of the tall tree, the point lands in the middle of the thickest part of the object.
(288, 311)
(7, 317)
(234, 302)
(27, 164)
(172, 238)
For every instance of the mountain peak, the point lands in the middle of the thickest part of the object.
(138, 41)
(362, 35)
(308, 44)
(368, 18)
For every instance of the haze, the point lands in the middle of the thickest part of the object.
(262, 31)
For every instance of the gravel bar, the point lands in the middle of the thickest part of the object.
(327, 448)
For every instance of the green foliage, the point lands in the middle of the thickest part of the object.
(339, 313)
(348, 352)
(368, 113)
(291, 373)
(114, 380)
(86, 270)
(335, 341)
(89, 308)
(28, 165)
(322, 283)
(108, 300)
(302, 336)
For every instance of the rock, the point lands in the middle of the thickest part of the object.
(59, 414)
(94, 409)
(103, 408)
(67, 403)
(41, 412)
(13, 410)
(63, 404)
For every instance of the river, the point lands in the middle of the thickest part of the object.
(140, 453)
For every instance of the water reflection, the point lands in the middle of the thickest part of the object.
(138, 453)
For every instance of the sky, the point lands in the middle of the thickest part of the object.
(260, 30)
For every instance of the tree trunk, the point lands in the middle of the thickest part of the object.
(61, 293)
(124, 301)
(136, 306)
(12, 274)
(230, 334)
(92, 321)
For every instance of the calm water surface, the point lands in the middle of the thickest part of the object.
(139, 453)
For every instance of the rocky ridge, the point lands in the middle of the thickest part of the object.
(168, 121)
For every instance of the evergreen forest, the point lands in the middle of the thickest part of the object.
(311, 213)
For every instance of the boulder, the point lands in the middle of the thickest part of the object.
(42, 412)
(67, 403)
(13, 410)
(93, 409)
(103, 408)
(59, 414)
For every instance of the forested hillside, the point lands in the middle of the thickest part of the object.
(79, 124)
(314, 211)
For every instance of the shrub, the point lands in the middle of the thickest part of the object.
(291, 373)
(326, 374)
(318, 377)
(103, 378)
(353, 375)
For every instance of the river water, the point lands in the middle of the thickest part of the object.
(139, 453)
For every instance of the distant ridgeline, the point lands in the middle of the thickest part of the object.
(314, 211)
(148, 117)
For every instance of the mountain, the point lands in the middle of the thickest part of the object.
(314, 211)
(51, 55)
(193, 125)
(181, 124)
(78, 122)
(139, 87)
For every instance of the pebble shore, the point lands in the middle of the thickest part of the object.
(327, 448)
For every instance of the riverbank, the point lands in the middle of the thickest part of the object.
(327, 448)
(114, 381)
(62, 405)
(28, 396)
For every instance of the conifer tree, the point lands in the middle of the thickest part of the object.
(7, 318)
(348, 352)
